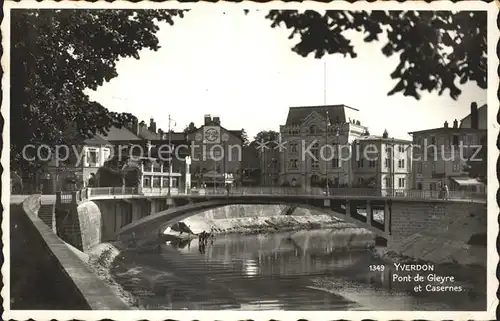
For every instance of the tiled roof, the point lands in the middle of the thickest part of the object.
(336, 113)
(120, 134)
(146, 134)
(96, 140)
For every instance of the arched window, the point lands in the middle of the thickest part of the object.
(313, 129)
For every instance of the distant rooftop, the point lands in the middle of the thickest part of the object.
(447, 130)
(336, 113)
(384, 139)
(119, 134)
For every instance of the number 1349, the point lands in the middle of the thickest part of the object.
(374, 268)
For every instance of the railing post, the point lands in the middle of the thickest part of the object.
(369, 213)
(387, 218)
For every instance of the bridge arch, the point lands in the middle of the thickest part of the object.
(146, 225)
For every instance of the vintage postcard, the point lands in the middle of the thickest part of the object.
(229, 161)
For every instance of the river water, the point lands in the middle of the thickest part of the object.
(304, 270)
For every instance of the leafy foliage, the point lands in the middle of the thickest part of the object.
(55, 56)
(190, 128)
(118, 172)
(266, 136)
(244, 137)
(436, 48)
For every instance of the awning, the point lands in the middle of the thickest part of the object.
(467, 181)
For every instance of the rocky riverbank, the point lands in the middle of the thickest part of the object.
(101, 259)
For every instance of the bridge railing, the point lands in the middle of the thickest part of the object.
(276, 190)
(112, 191)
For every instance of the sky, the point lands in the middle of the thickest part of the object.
(237, 67)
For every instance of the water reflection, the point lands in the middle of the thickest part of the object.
(306, 270)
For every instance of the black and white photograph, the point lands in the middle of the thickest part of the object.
(216, 159)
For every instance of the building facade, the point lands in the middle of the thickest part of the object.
(79, 168)
(216, 154)
(317, 142)
(441, 155)
(383, 163)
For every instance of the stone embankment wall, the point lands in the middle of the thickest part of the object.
(45, 273)
(440, 232)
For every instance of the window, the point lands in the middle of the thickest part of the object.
(293, 147)
(360, 181)
(216, 153)
(156, 182)
(388, 182)
(313, 129)
(165, 182)
(401, 182)
(455, 141)
(419, 167)
(387, 162)
(433, 140)
(401, 163)
(457, 167)
(146, 181)
(92, 158)
(372, 163)
(294, 163)
(315, 164)
(335, 163)
(360, 163)
(401, 148)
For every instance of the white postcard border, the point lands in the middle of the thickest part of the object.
(493, 153)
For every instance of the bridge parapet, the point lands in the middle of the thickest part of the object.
(396, 194)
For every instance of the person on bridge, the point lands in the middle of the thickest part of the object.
(445, 191)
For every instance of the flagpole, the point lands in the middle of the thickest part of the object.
(326, 128)
(170, 156)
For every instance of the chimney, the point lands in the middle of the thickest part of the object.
(135, 126)
(445, 124)
(455, 123)
(160, 133)
(208, 119)
(474, 117)
(216, 120)
(142, 126)
(385, 134)
(152, 125)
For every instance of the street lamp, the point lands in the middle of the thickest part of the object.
(170, 157)
(326, 161)
(225, 139)
(337, 133)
